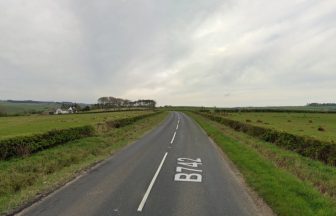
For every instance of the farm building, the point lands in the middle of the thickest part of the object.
(60, 111)
(68, 111)
(71, 110)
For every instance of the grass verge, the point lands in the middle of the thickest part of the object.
(285, 180)
(23, 179)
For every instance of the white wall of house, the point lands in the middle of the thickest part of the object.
(60, 111)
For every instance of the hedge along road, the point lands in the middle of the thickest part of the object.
(173, 170)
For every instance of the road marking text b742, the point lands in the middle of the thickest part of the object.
(189, 173)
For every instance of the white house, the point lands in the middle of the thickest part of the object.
(60, 111)
(70, 110)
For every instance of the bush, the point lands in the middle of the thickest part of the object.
(206, 110)
(86, 108)
(320, 128)
(306, 146)
(26, 145)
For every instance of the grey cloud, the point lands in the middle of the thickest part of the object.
(224, 53)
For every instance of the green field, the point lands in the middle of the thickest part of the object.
(10, 108)
(27, 125)
(304, 124)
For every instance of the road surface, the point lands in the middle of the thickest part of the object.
(175, 170)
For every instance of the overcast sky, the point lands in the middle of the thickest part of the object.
(184, 52)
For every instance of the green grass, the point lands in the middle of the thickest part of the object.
(22, 179)
(303, 124)
(290, 184)
(27, 125)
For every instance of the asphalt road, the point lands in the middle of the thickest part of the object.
(173, 170)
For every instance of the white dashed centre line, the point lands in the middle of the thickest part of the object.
(143, 201)
(171, 142)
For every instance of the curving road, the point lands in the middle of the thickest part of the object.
(173, 170)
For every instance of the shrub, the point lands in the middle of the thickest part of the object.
(207, 110)
(320, 128)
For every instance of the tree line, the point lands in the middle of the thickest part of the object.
(320, 104)
(112, 102)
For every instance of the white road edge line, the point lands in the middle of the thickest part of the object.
(177, 127)
(143, 201)
(171, 142)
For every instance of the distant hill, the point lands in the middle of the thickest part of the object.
(12, 107)
(29, 101)
(21, 107)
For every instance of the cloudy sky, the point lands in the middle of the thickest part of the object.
(184, 52)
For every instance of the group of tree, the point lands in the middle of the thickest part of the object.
(112, 102)
(67, 105)
(321, 104)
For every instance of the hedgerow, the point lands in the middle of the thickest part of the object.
(235, 110)
(26, 145)
(306, 146)
(127, 121)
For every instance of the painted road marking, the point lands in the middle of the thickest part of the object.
(177, 126)
(143, 201)
(189, 174)
(171, 142)
(179, 169)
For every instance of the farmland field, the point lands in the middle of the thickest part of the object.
(316, 125)
(21, 108)
(27, 125)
